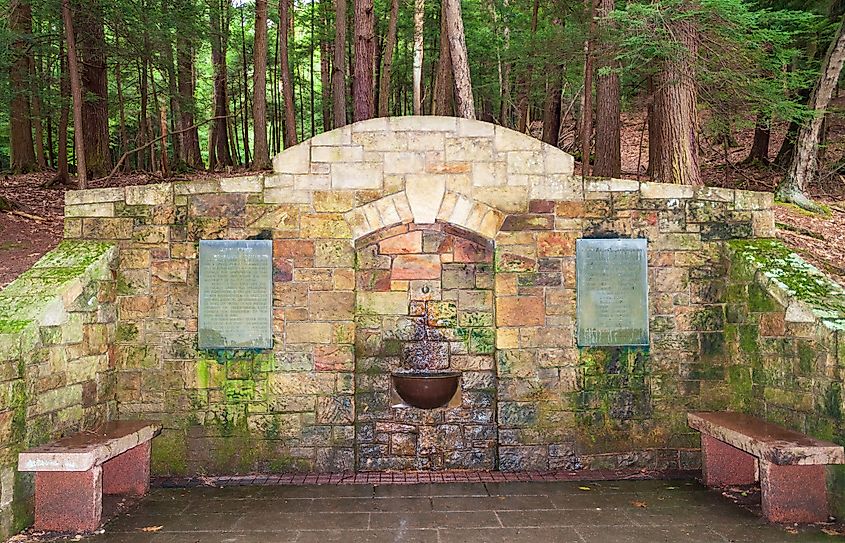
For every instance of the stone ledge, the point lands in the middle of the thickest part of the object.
(807, 294)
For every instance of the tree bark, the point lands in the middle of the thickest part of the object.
(674, 129)
(124, 136)
(259, 83)
(804, 165)
(362, 77)
(608, 152)
(325, 68)
(387, 59)
(525, 86)
(419, 21)
(187, 102)
(760, 146)
(460, 62)
(20, 120)
(62, 175)
(244, 84)
(37, 120)
(95, 110)
(76, 93)
(506, 112)
(551, 115)
(289, 127)
(221, 156)
(587, 107)
(444, 86)
(339, 65)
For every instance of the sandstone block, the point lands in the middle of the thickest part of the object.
(324, 225)
(426, 123)
(149, 195)
(425, 194)
(285, 195)
(557, 162)
(382, 303)
(520, 311)
(506, 139)
(356, 176)
(337, 153)
(311, 182)
(245, 183)
(94, 196)
(308, 332)
(107, 228)
(296, 159)
(557, 187)
(338, 136)
(331, 305)
(410, 242)
(170, 271)
(400, 162)
(104, 209)
(409, 267)
(666, 191)
(526, 162)
(278, 180)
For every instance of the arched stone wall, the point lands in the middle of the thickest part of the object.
(294, 407)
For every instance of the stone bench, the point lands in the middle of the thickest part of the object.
(73, 473)
(739, 449)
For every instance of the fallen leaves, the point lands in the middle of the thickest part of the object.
(640, 504)
(151, 528)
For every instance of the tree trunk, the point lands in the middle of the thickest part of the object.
(64, 89)
(95, 109)
(362, 77)
(675, 116)
(221, 156)
(587, 107)
(804, 166)
(325, 68)
(608, 153)
(37, 120)
(460, 63)
(20, 120)
(506, 112)
(121, 107)
(419, 21)
(387, 58)
(187, 103)
(165, 165)
(259, 83)
(311, 70)
(76, 93)
(289, 127)
(444, 86)
(339, 65)
(760, 147)
(551, 115)
(245, 89)
(525, 86)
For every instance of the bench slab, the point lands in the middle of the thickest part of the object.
(85, 450)
(766, 441)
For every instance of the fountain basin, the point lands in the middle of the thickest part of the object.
(426, 389)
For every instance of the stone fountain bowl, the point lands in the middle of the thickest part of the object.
(426, 389)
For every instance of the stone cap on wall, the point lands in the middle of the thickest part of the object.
(808, 295)
(42, 295)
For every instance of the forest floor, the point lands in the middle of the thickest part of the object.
(35, 226)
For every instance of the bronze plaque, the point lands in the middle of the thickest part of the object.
(236, 294)
(612, 292)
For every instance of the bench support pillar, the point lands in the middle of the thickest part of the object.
(128, 474)
(69, 501)
(793, 493)
(725, 464)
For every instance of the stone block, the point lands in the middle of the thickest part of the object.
(410, 242)
(68, 501)
(520, 311)
(285, 195)
(725, 465)
(401, 162)
(526, 162)
(149, 195)
(334, 358)
(331, 305)
(556, 187)
(333, 201)
(278, 180)
(382, 303)
(324, 225)
(103, 209)
(311, 182)
(296, 159)
(420, 266)
(425, 123)
(94, 196)
(244, 183)
(506, 139)
(170, 271)
(425, 194)
(337, 153)
(308, 332)
(793, 494)
(558, 162)
(357, 176)
(107, 228)
(665, 191)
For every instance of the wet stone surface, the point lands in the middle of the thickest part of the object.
(606, 512)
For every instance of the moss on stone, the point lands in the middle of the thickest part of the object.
(170, 454)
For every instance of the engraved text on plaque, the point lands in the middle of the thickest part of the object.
(612, 292)
(236, 294)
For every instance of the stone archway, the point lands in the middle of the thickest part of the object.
(424, 301)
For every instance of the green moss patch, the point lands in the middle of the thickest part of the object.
(794, 276)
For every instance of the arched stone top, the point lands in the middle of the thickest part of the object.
(428, 168)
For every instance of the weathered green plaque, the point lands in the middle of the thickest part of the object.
(236, 294)
(612, 292)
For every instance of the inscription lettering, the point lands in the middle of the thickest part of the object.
(612, 292)
(236, 294)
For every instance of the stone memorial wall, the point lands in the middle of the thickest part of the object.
(320, 399)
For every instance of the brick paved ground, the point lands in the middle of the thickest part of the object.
(539, 512)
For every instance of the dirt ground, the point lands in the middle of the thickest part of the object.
(35, 226)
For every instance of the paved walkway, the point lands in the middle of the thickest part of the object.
(512, 512)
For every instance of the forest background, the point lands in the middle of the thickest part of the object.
(717, 92)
